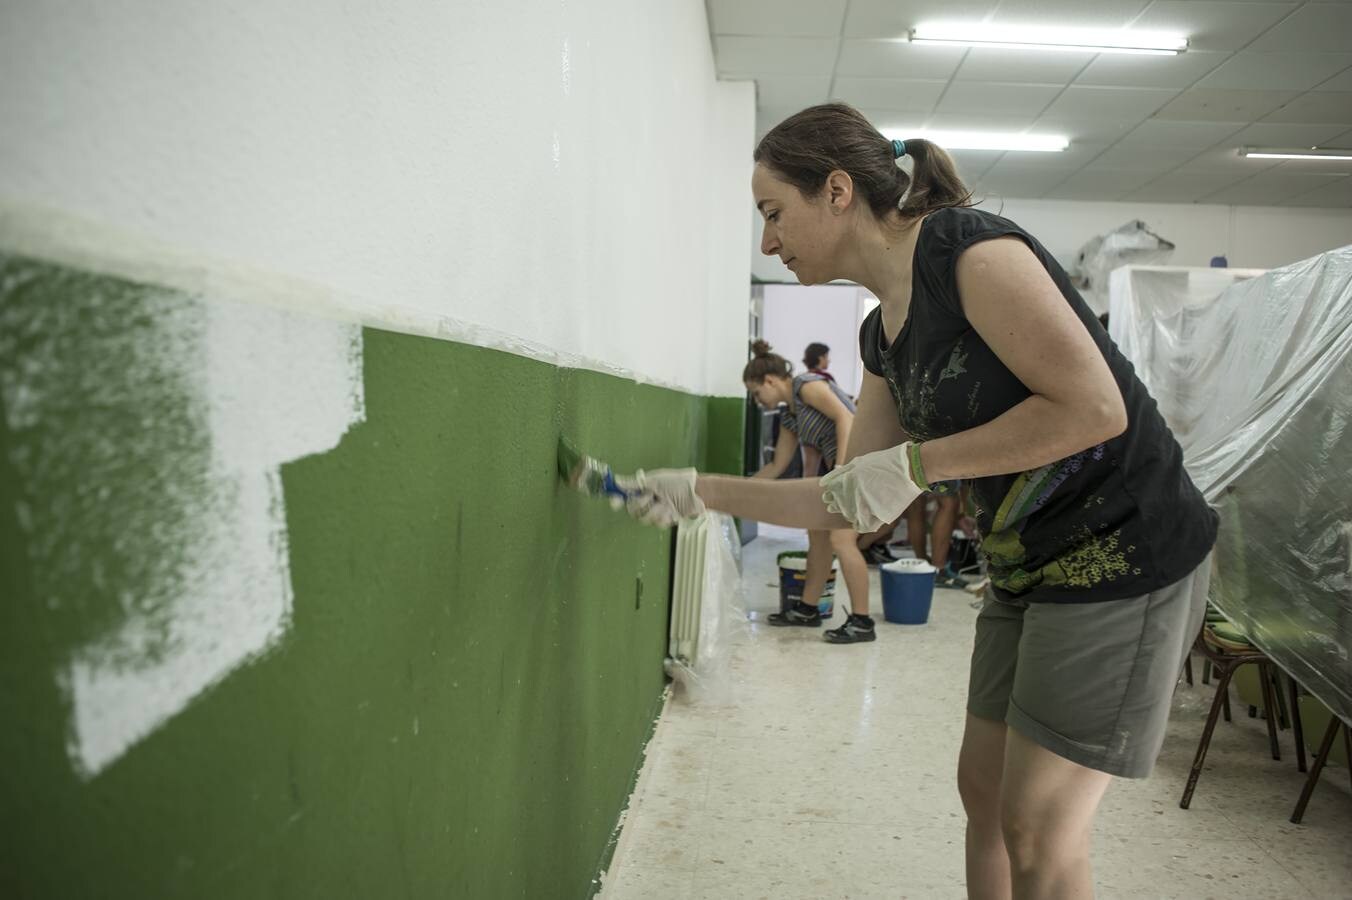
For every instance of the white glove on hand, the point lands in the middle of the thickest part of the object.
(661, 497)
(874, 489)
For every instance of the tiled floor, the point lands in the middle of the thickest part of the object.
(828, 772)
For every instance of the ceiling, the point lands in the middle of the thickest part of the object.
(1144, 128)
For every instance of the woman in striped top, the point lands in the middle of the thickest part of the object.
(817, 415)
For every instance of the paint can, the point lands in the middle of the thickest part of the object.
(793, 577)
(908, 591)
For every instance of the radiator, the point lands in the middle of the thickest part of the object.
(706, 607)
(687, 592)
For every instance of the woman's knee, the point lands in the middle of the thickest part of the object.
(979, 790)
(844, 540)
(1036, 838)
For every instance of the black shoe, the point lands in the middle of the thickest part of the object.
(798, 614)
(856, 630)
(878, 555)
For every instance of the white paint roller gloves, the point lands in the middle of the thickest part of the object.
(874, 489)
(661, 497)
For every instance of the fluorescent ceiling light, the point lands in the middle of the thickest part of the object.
(983, 140)
(1099, 40)
(1296, 153)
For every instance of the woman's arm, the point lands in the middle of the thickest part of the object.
(785, 446)
(821, 398)
(1019, 312)
(794, 502)
(875, 425)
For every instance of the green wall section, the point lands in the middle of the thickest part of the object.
(473, 665)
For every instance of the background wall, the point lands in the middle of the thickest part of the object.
(294, 306)
(794, 316)
(1249, 236)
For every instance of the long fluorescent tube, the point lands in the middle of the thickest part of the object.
(1296, 153)
(1017, 37)
(983, 140)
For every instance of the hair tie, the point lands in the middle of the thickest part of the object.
(898, 149)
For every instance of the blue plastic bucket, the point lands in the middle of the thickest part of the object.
(793, 576)
(908, 590)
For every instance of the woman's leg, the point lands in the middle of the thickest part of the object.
(915, 526)
(941, 536)
(852, 568)
(818, 566)
(1047, 806)
(980, 766)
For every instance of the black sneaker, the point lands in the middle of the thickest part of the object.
(798, 614)
(878, 555)
(856, 630)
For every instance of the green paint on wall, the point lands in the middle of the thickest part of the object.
(459, 704)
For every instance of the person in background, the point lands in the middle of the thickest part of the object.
(817, 415)
(874, 545)
(935, 550)
(817, 358)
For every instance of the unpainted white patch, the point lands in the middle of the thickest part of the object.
(72, 240)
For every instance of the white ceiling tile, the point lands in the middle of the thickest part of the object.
(756, 56)
(889, 18)
(1250, 70)
(1313, 27)
(1068, 160)
(1209, 105)
(951, 121)
(767, 118)
(777, 18)
(1012, 180)
(1226, 159)
(971, 163)
(1335, 194)
(1002, 99)
(1316, 107)
(1090, 129)
(1103, 103)
(890, 93)
(1281, 134)
(898, 59)
(1169, 133)
(989, 64)
(1104, 184)
(1122, 70)
(1100, 13)
(1141, 158)
(775, 91)
(1213, 25)
(1183, 187)
(1340, 82)
(1271, 188)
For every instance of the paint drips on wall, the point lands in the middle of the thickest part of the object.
(148, 427)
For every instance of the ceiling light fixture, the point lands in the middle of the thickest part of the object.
(1016, 37)
(1296, 153)
(983, 140)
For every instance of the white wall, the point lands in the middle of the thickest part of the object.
(520, 166)
(1259, 237)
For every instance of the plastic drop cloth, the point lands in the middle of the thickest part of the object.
(1256, 382)
(1129, 243)
(702, 668)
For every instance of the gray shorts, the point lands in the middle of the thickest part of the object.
(1091, 682)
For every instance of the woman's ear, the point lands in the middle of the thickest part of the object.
(839, 191)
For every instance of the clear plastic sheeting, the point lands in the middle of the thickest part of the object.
(708, 614)
(1257, 384)
(1129, 243)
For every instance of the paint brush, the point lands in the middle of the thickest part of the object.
(587, 474)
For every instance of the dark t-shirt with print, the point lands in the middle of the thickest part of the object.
(1114, 521)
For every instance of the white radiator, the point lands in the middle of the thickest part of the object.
(704, 594)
